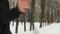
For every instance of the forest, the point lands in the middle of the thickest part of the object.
(42, 11)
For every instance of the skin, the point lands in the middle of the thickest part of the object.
(23, 5)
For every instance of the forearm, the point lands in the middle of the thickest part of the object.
(22, 5)
(14, 13)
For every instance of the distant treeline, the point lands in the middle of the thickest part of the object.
(43, 11)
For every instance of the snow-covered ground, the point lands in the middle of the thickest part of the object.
(50, 29)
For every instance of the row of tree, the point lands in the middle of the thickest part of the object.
(42, 11)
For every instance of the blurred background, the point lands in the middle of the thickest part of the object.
(44, 12)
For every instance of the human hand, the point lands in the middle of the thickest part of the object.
(23, 5)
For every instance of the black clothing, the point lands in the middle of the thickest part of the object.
(6, 16)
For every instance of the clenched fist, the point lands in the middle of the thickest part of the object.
(23, 5)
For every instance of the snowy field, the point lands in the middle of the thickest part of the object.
(50, 29)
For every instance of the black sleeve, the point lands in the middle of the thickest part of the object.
(7, 15)
(14, 13)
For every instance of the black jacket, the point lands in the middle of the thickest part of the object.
(6, 16)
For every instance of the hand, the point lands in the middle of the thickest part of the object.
(23, 5)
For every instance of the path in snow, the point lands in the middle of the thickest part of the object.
(50, 29)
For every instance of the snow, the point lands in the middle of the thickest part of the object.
(50, 29)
